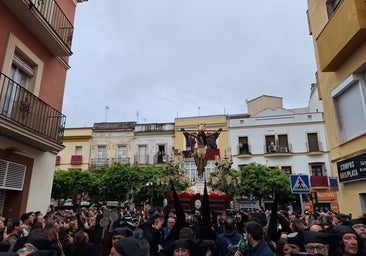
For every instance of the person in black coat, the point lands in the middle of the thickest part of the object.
(81, 245)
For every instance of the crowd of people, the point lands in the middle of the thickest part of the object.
(100, 231)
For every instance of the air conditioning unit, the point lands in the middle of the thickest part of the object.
(177, 151)
(272, 148)
(283, 149)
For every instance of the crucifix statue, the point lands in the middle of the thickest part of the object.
(205, 141)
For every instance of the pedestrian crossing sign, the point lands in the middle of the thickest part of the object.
(300, 184)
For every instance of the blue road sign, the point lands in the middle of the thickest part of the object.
(300, 184)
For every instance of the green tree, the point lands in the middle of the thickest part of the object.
(261, 181)
(156, 182)
(119, 182)
(65, 181)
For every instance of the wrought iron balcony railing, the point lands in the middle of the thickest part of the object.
(243, 149)
(314, 147)
(99, 162)
(55, 17)
(29, 111)
(278, 149)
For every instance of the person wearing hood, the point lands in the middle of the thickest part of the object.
(359, 226)
(127, 247)
(318, 242)
(229, 236)
(350, 241)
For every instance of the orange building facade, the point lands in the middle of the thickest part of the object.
(35, 45)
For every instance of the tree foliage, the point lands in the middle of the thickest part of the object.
(119, 182)
(253, 180)
(65, 181)
(261, 181)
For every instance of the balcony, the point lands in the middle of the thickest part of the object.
(244, 151)
(319, 181)
(76, 159)
(314, 148)
(342, 35)
(47, 21)
(98, 162)
(141, 159)
(28, 118)
(161, 159)
(124, 160)
(154, 128)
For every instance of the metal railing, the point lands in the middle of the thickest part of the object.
(55, 17)
(314, 147)
(120, 160)
(276, 148)
(29, 111)
(243, 150)
(99, 162)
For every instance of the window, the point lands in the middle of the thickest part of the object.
(313, 144)
(122, 154)
(78, 150)
(349, 106)
(191, 170)
(331, 6)
(20, 73)
(243, 145)
(287, 170)
(317, 169)
(277, 144)
(142, 157)
(19, 56)
(283, 143)
(161, 158)
(102, 155)
(270, 143)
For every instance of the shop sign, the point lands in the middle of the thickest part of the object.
(352, 169)
(325, 194)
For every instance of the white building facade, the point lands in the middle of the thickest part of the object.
(293, 140)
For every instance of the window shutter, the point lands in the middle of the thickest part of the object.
(12, 175)
(24, 66)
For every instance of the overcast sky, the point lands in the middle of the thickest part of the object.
(155, 60)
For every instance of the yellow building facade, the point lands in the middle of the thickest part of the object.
(76, 154)
(338, 29)
(212, 123)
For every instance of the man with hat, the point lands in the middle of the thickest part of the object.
(359, 226)
(318, 242)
